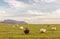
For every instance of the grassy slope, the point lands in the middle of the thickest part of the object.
(9, 32)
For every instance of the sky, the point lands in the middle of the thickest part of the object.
(31, 11)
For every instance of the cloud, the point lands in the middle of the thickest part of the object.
(16, 4)
(54, 14)
(34, 11)
(48, 1)
(5, 13)
(31, 16)
(37, 13)
(44, 6)
(52, 17)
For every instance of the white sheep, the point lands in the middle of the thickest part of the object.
(21, 27)
(42, 30)
(53, 28)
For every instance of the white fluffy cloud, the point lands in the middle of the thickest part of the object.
(3, 13)
(54, 14)
(36, 11)
(41, 17)
(32, 16)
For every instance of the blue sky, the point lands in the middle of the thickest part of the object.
(31, 11)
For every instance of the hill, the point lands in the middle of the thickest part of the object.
(13, 21)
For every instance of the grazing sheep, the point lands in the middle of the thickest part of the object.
(53, 28)
(26, 31)
(21, 27)
(42, 30)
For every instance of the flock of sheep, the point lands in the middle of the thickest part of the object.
(42, 30)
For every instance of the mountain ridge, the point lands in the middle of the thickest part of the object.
(13, 21)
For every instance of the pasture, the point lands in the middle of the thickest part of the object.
(11, 31)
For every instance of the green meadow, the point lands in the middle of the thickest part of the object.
(7, 31)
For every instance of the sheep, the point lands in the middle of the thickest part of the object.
(53, 28)
(42, 30)
(26, 31)
(21, 27)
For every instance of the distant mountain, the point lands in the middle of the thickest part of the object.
(14, 21)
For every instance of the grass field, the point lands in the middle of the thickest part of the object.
(9, 32)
